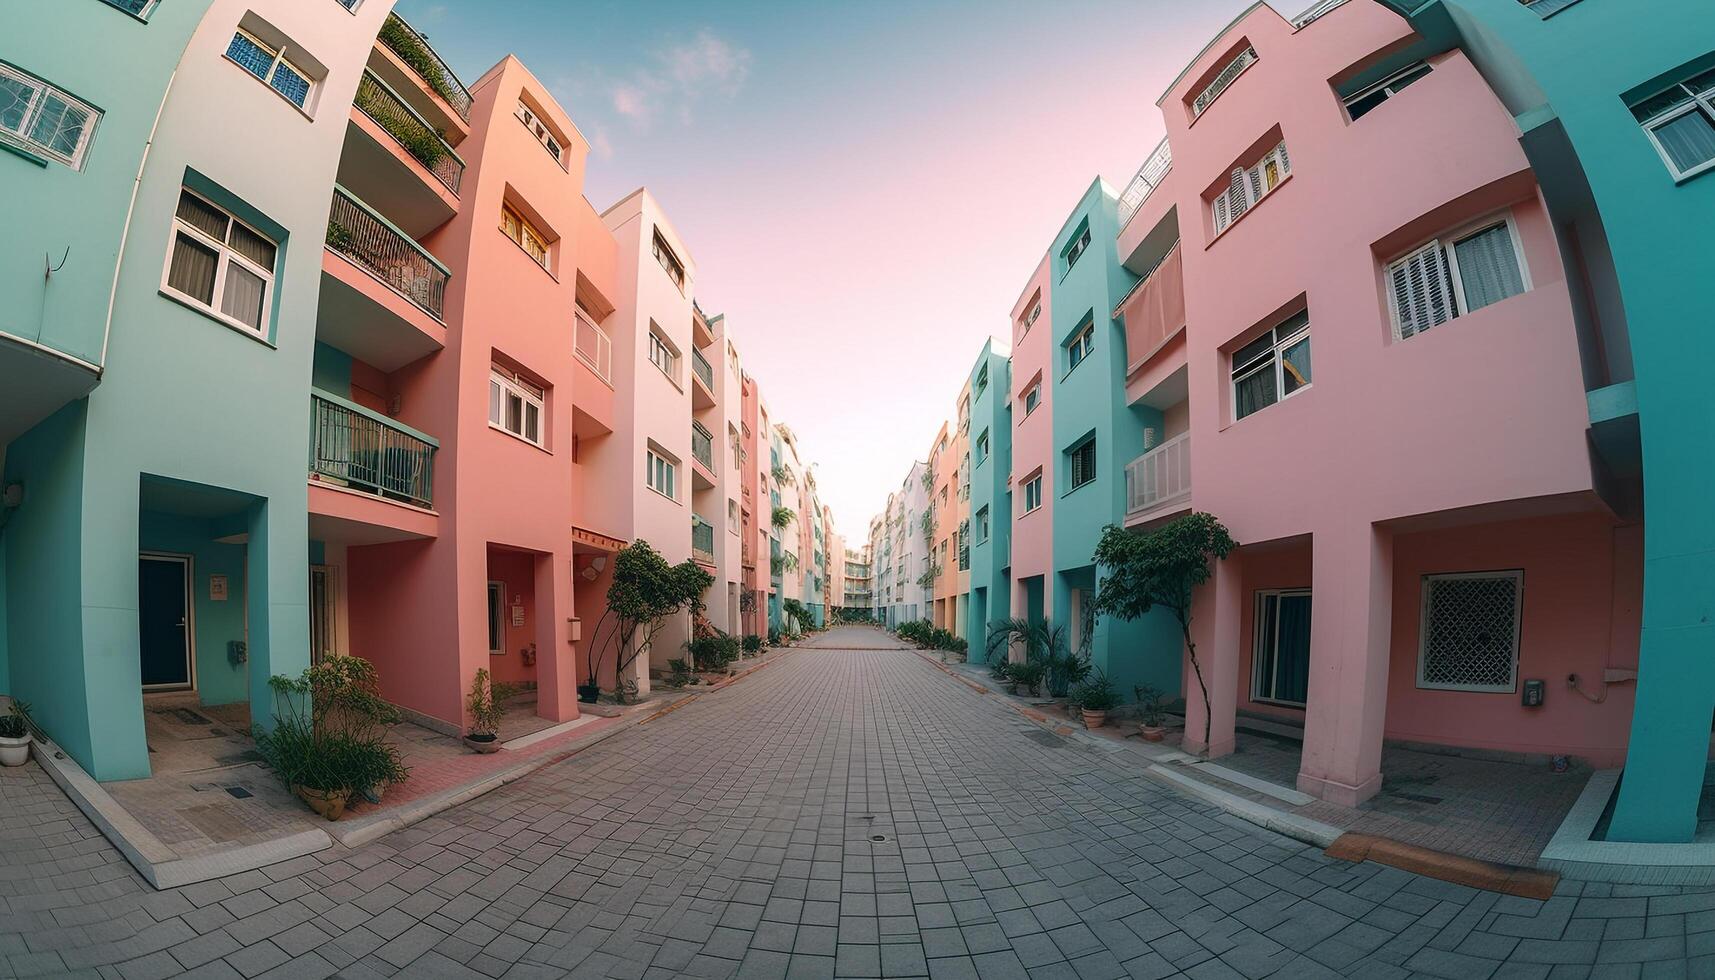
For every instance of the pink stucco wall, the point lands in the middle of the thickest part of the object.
(1033, 440)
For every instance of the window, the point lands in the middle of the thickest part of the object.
(1470, 631)
(1365, 100)
(670, 262)
(663, 356)
(1249, 185)
(1438, 282)
(1032, 398)
(220, 263)
(496, 619)
(515, 405)
(1083, 463)
(1082, 345)
(982, 380)
(141, 8)
(1244, 59)
(270, 65)
(660, 474)
(1546, 7)
(540, 130)
(1271, 367)
(982, 446)
(521, 231)
(41, 119)
(982, 525)
(732, 515)
(1030, 318)
(1075, 250)
(1680, 123)
(1280, 661)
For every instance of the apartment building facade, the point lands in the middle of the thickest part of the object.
(987, 533)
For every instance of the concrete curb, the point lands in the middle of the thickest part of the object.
(1504, 878)
(1313, 832)
(1573, 854)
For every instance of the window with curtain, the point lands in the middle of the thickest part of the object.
(43, 120)
(520, 230)
(1361, 102)
(1439, 281)
(220, 263)
(1281, 653)
(1082, 461)
(1680, 122)
(1272, 367)
(669, 261)
(515, 405)
(270, 64)
(1248, 185)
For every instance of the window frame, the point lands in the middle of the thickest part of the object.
(225, 254)
(659, 343)
(1076, 247)
(1388, 87)
(1517, 576)
(1073, 455)
(1216, 88)
(279, 58)
(42, 90)
(496, 618)
(1448, 244)
(1084, 339)
(1256, 695)
(526, 230)
(981, 519)
(654, 461)
(982, 444)
(1031, 398)
(1702, 100)
(529, 394)
(667, 259)
(1255, 185)
(1275, 358)
(1033, 490)
(537, 127)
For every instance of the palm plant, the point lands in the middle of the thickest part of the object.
(783, 516)
(1046, 645)
(781, 474)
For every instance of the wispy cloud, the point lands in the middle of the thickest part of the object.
(681, 74)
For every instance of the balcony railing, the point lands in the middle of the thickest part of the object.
(413, 49)
(595, 348)
(362, 450)
(358, 233)
(1148, 178)
(1304, 19)
(1159, 477)
(703, 446)
(402, 122)
(700, 364)
(702, 539)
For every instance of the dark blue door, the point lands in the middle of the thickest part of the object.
(163, 621)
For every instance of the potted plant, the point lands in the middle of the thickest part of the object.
(1026, 676)
(1095, 697)
(15, 730)
(589, 693)
(486, 706)
(1149, 702)
(329, 740)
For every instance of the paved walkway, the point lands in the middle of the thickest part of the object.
(850, 812)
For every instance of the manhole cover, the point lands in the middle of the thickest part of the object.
(878, 838)
(239, 792)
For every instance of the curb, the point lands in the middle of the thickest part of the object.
(1504, 878)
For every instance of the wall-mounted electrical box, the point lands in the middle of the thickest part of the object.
(1532, 694)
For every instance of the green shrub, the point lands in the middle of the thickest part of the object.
(752, 643)
(714, 651)
(1096, 693)
(1027, 675)
(413, 52)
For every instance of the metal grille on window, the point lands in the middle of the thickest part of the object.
(1225, 78)
(1470, 632)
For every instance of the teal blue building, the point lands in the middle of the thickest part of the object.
(1095, 435)
(990, 531)
(1616, 104)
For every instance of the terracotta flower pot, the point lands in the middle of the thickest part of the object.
(329, 803)
(1152, 733)
(484, 744)
(1095, 719)
(14, 751)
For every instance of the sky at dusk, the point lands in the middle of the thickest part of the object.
(864, 187)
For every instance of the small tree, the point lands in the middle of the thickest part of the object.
(782, 516)
(644, 592)
(1162, 568)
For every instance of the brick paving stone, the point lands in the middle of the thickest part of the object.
(733, 838)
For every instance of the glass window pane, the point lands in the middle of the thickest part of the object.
(289, 83)
(244, 294)
(252, 246)
(192, 269)
(255, 58)
(1295, 367)
(1488, 267)
(1251, 352)
(1689, 140)
(514, 413)
(1254, 393)
(59, 126)
(15, 96)
(496, 401)
(1657, 104)
(531, 421)
(202, 216)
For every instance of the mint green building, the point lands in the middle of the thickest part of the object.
(1616, 104)
(990, 534)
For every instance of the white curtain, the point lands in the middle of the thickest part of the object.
(1488, 267)
(1688, 140)
(244, 292)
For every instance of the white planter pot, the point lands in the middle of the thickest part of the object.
(14, 751)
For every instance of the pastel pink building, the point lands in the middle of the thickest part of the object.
(1355, 309)
(1032, 479)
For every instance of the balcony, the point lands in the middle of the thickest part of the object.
(702, 335)
(1144, 183)
(703, 453)
(353, 447)
(395, 160)
(594, 348)
(383, 295)
(418, 73)
(705, 374)
(702, 540)
(1158, 483)
(1154, 311)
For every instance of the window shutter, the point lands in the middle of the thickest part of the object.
(1237, 202)
(1222, 216)
(1422, 291)
(1285, 162)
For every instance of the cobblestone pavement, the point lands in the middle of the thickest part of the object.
(842, 813)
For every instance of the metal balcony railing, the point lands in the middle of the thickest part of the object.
(702, 539)
(410, 130)
(595, 348)
(414, 50)
(1160, 476)
(358, 233)
(1304, 19)
(700, 364)
(1148, 178)
(703, 446)
(363, 451)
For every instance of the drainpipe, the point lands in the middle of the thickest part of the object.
(130, 210)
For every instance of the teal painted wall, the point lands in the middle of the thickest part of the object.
(991, 412)
(218, 680)
(1586, 63)
(1091, 400)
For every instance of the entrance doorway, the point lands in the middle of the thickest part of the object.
(1282, 652)
(164, 631)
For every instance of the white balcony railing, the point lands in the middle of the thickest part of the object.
(1159, 477)
(1148, 178)
(1303, 20)
(595, 348)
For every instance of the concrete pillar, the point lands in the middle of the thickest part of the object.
(1351, 623)
(556, 658)
(1215, 619)
(277, 590)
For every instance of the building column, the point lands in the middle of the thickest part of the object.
(1215, 619)
(556, 656)
(277, 597)
(1350, 640)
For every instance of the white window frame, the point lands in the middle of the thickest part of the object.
(982, 447)
(1446, 245)
(1247, 186)
(527, 234)
(982, 516)
(543, 135)
(225, 255)
(1517, 575)
(656, 461)
(1030, 318)
(1276, 361)
(1224, 80)
(1388, 86)
(1702, 100)
(1085, 341)
(280, 59)
(1032, 392)
(1033, 490)
(668, 259)
(1257, 648)
(41, 91)
(660, 344)
(529, 394)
